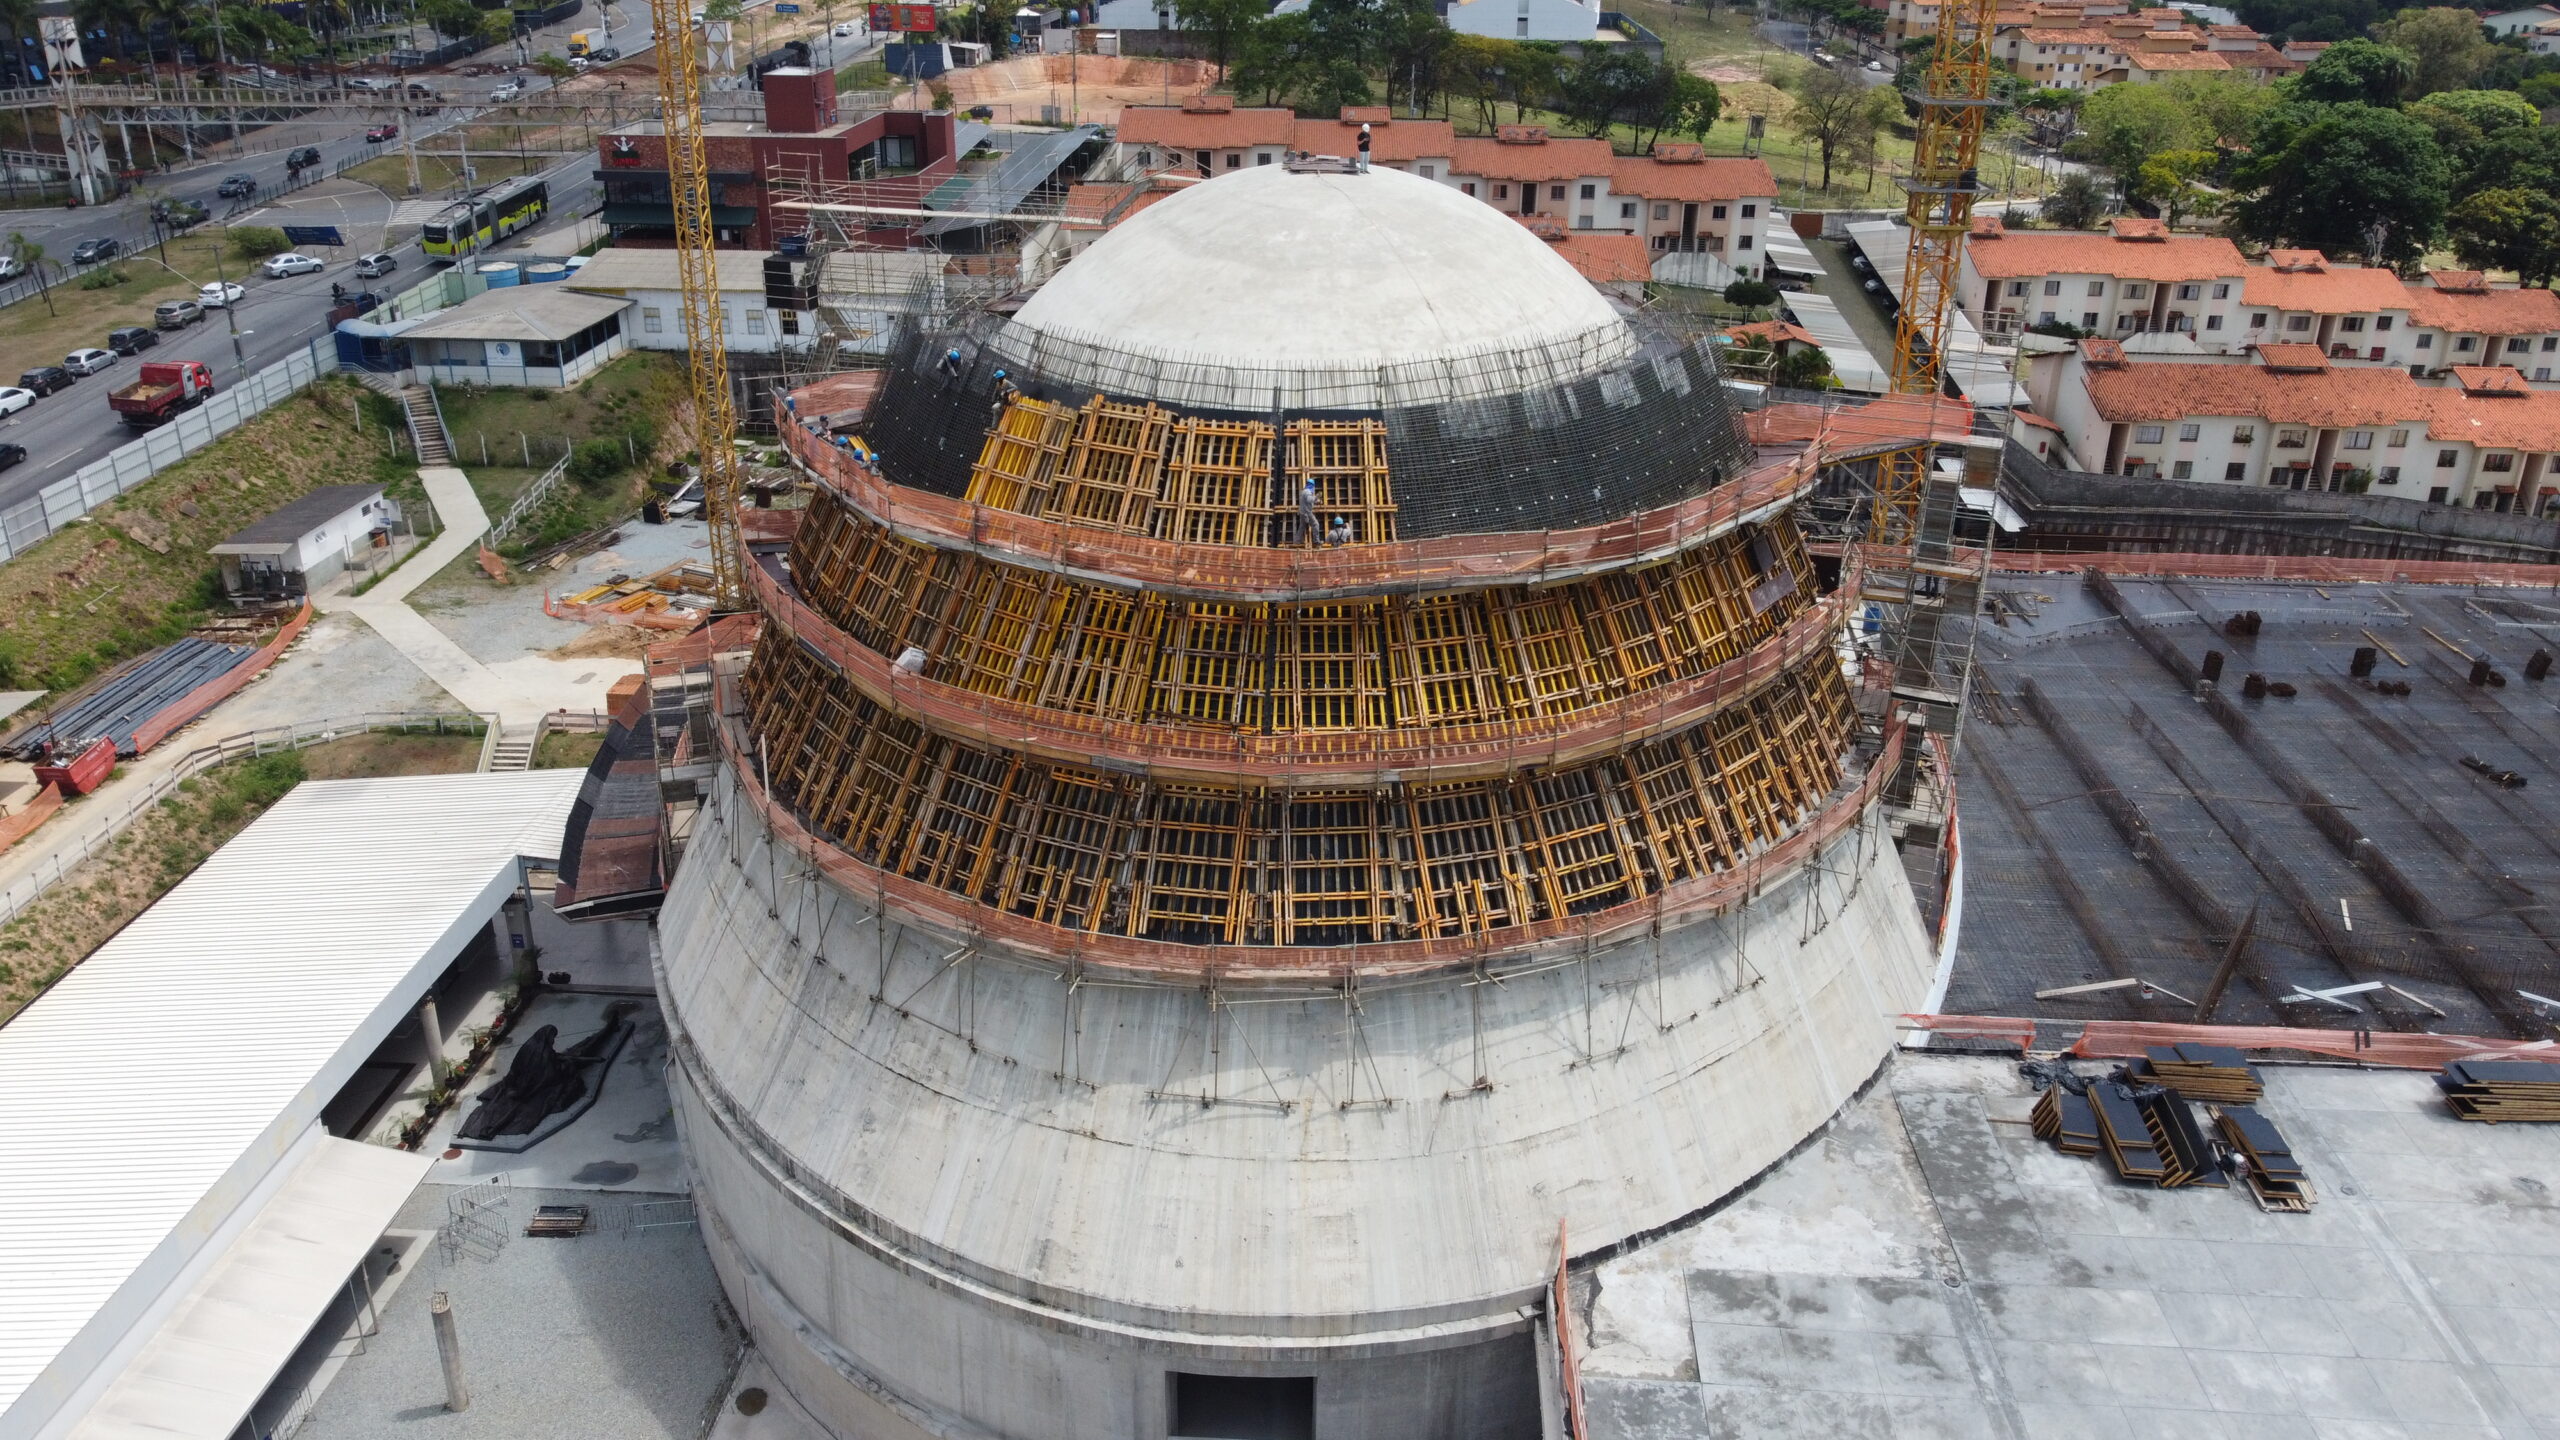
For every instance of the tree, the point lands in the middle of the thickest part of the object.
(1477, 67)
(30, 254)
(1804, 369)
(1222, 22)
(1836, 112)
(2446, 45)
(2465, 123)
(1750, 294)
(1700, 105)
(2173, 180)
(2508, 229)
(2228, 105)
(553, 66)
(2343, 179)
(2356, 70)
(2077, 202)
(1276, 57)
(2123, 126)
(1618, 85)
(2309, 19)
(454, 19)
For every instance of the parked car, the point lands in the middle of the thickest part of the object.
(94, 252)
(132, 339)
(217, 293)
(847, 29)
(45, 379)
(12, 455)
(506, 90)
(89, 361)
(289, 263)
(303, 159)
(380, 133)
(13, 399)
(177, 314)
(380, 262)
(1876, 65)
(11, 267)
(237, 187)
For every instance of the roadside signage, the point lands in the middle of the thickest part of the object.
(299, 235)
(786, 9)
(904, 19)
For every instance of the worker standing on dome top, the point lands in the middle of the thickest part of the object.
(1364, 147)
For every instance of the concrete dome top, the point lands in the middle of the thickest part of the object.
(1348, 291)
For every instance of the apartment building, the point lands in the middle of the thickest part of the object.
(2135, 278)
(1677, 199)
(2285, 415)
(2458, 318)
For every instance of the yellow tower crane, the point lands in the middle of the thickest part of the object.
(1955, 98)
(715, 419)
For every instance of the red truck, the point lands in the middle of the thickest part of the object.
(166, 387)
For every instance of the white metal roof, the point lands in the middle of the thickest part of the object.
(1856, 369)
(1984, 372)
(550, 311)
(620, 270)
(148, 1093)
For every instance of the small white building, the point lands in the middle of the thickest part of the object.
(2509, 22)
(301, 546)
(650, 281)
(543, 336)
(1565, 21)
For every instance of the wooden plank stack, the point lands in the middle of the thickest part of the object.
(2493, 1091)
(2208, 1074)
(2147, 1133)
(2066, 1120)
(2274, 1176)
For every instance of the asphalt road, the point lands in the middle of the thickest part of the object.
(277, 317)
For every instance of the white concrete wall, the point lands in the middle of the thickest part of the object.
(323, 552)
(747, 326)
(951, 1189)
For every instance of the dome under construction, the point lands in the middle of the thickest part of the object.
(1306, 759)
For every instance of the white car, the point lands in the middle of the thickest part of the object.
(279, 266)
(1876, 65)
(507, 91)
(13, 399)
(217, 293)
(88, 362)
(847, 29)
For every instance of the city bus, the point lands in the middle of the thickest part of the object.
(485, 218)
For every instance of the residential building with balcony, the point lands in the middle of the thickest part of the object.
(2285, 415)
(2135, 278)
(2458, 318)
(2348, 312)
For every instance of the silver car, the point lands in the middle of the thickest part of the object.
(88, 362)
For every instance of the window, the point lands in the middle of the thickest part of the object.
(2352, 324)
(1742, 244)
(2435, 495)
(2297, 322)
(2097, 289)
(1235, 159)
(2235, 471)
(2541, 372)
(2190, 431)
(1589, 192)
(2124, 322)
(1501, 192)
(2088, 319)
(2447, 459)
(2381, 323)
(1467, 188)
(2396, 439)
(2190, 292)
(651, 321)
(1263, 157)
(1429, 172)
(1522, 32)
(755, 321)
(2258, 320)
(2183, 470)
(2359, 439)
(2137, 292)
(1555, 192)
(2426, 342)
(2499, 463)
(2213, 322)
(2292, 439)
(2467, 344)
(1581, 222)
(1626, 209)
(2549, 344)
(1749, 211)
(2146, 434)
(2388, 475)
(790, 321)
(1715, 212)
(2519, 347)
(2017, 289)
(2244, 434)
(2044, 317)
(1661, 212)
(2221, 292)
(2053, 287)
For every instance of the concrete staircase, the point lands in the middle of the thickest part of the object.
(426, 428)
(512, 752)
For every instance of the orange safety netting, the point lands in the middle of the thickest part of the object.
(2126, 1039)
(220, 688)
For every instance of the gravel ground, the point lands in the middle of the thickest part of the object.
(595, 1338)
(500, 623)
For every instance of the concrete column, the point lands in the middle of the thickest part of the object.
(449, 1351)
(431, 1034)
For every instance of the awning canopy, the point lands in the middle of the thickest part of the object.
(629, 214)
(238, 1325)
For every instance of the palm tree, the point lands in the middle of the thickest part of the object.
(172, 17)
(30, 254)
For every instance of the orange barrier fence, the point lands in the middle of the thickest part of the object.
(1259, 573)
(2315, 569)
(37, 811)
(222, 687)
(1311, 758)
(1680, 904)
(2126, 1039)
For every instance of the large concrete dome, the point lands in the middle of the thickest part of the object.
(1313, 280)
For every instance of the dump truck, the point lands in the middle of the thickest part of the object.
(166, 387)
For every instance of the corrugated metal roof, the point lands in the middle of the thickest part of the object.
(296, 518)
(621, 270)
(178, 1063)
(520, 312)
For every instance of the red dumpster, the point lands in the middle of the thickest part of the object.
(83, 772)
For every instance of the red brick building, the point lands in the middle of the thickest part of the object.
(902, 153)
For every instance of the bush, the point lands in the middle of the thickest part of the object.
(105, 278)
(2060, 330)
(1750, 292)
(256, 242)
(596, 461)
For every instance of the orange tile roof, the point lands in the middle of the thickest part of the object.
(1605, 259)
(2330, 398)
(2327, 290)
(1776, 332)
(1554, 160)
(2178, 60)
(1389, 143)
(2022, 254)
(2488, 312)
(2069, 37)
(1722, 178)
(2292, 357)
(2499, 380)
(1182, 129)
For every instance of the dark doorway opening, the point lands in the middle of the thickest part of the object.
(1244, 1407)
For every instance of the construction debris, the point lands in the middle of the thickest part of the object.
(2213, 1074)
(121, 701)
(2267, 1163)
(2493, 1091)
(558, 1221)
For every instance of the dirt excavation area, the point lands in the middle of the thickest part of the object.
(1083, 89)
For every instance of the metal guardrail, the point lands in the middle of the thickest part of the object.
(100, 481)
(525, 503)
(101, 826)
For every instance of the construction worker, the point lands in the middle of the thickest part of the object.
(1006, 390)
(1340, 534)
(1364, 147)
(950, 364)
(1308, 523)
